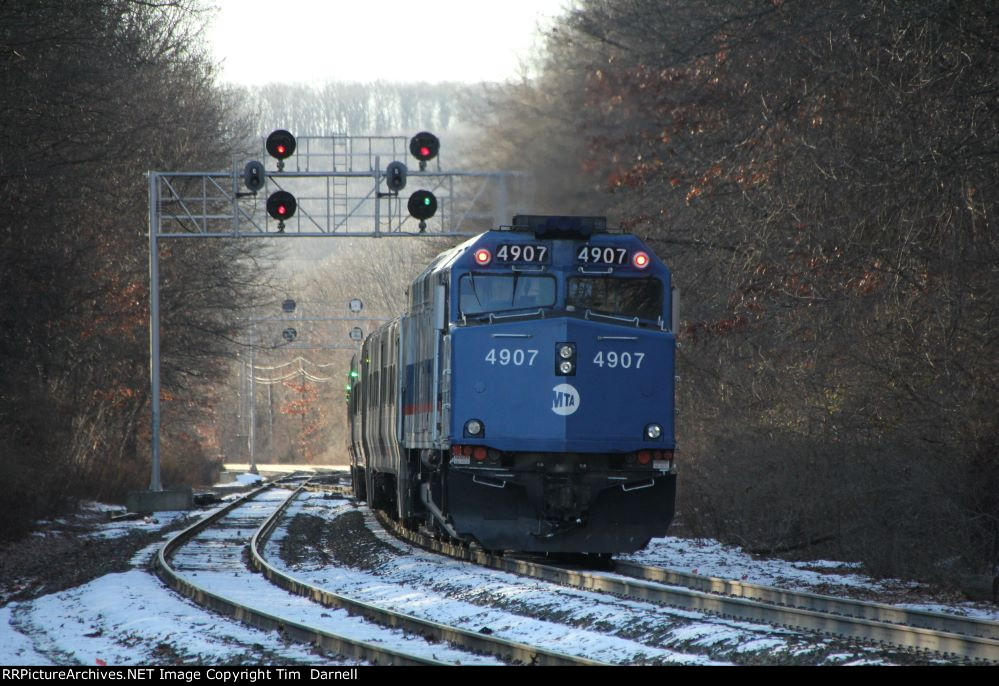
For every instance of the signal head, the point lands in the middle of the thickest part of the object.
(395, 176)
(424, 147)
(254, 176)
(280, 144)
(422, 205)
(281, 205)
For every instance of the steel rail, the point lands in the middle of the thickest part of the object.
(973, 648)
(862, 609)
(462, 638)
(330, 642)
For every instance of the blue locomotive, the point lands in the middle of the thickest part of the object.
(526, 398)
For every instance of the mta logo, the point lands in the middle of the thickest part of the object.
(566, 399)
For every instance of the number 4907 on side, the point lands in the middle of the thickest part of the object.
(614, 359)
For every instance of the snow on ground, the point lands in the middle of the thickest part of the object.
(128, 619)
(131, 618)
(16, 649)
(226, 563)
(595, 625)
(972, 610)
(711, 558)
(149, 523)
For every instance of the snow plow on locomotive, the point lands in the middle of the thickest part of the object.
(526, 398)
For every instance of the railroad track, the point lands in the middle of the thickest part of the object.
(879, 612)
(209, 568)
(920, 631)
(467, 647)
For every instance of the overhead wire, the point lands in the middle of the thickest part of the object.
(300, 372)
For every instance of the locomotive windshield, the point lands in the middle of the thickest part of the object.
(482, 293)
(642, 298)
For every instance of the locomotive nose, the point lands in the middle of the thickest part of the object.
(563, 384)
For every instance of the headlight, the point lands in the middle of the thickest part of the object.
(653, 432)
(473, 427)
(565, 358)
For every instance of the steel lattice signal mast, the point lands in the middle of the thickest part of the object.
(321, 186)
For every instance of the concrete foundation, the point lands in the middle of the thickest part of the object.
(159, 501)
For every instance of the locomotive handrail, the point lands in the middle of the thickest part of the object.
(646, 484)
(540, 311)
(501, 484)
(630, 320)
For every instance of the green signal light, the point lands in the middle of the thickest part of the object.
(422, 205)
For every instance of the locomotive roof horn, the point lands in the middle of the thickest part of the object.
(555, 226)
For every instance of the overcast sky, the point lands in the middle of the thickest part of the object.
(313, 41)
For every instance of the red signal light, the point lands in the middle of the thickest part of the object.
(483, 257)
(640, 259)
(424, 146)
(280, 145)
(281, 205)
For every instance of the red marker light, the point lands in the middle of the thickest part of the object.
(644, 457)
(640, 260)
(483, 257)
(479, 453)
